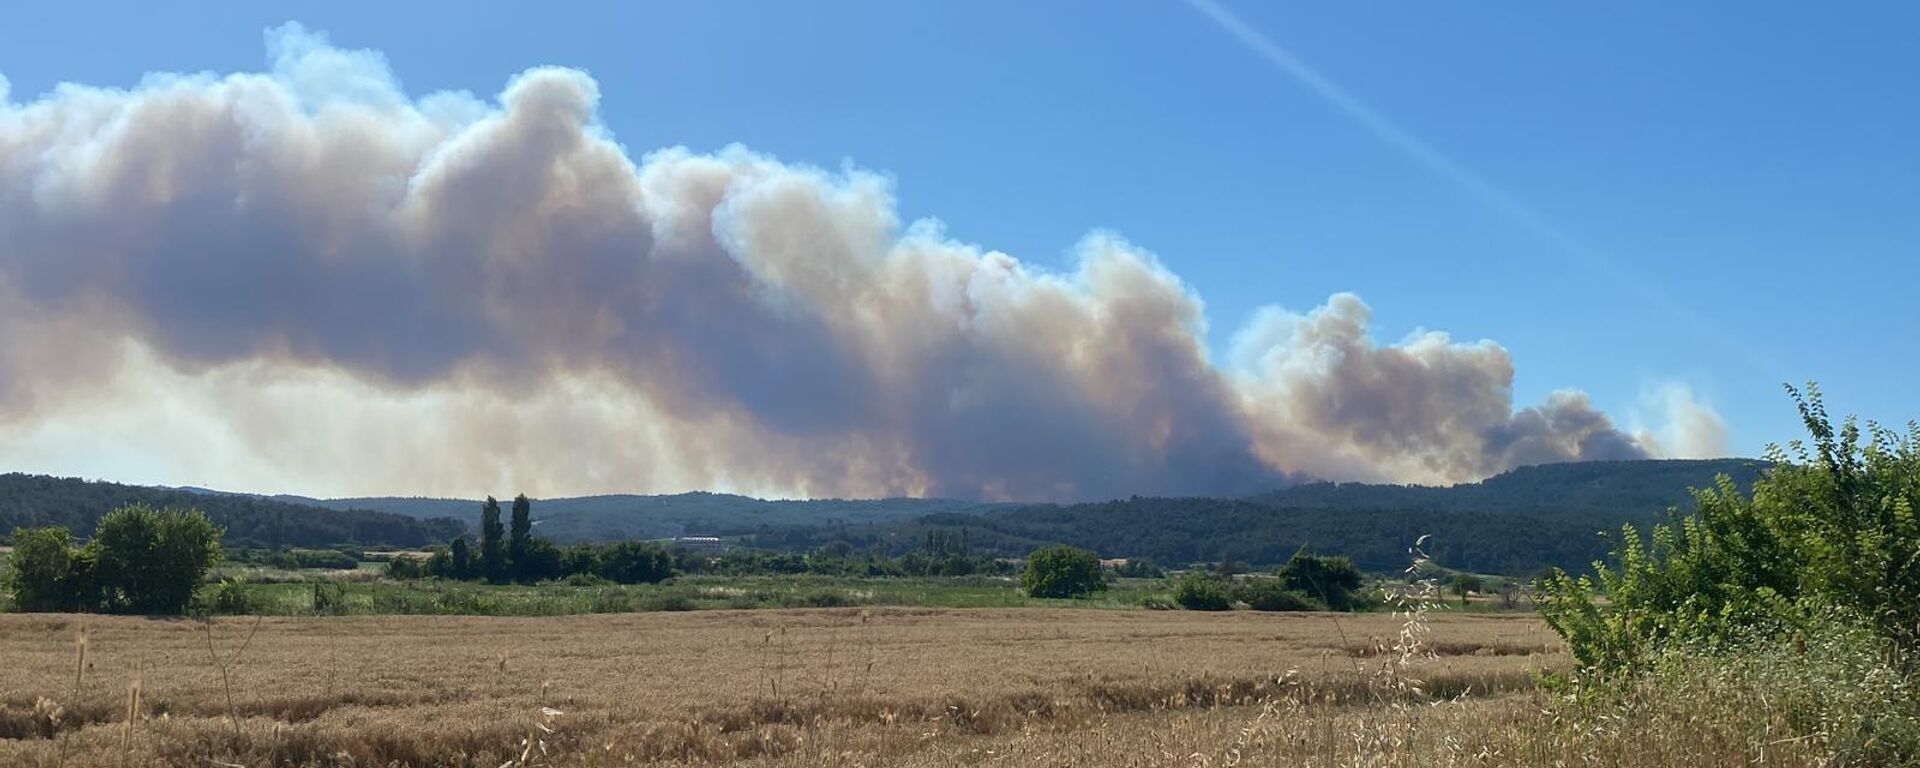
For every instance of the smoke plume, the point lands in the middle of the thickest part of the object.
(307, 278)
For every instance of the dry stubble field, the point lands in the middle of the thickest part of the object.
(841, 687)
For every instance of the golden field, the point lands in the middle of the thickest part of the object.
(913, 687)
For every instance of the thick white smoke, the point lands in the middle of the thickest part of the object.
(308, 279)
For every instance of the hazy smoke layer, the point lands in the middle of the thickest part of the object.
(307, 276)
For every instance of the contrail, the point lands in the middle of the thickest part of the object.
(1445, 166)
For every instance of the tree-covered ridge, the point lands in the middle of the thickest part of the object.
(1520, 522)
(1179, 531)
(1624, 491)
(615, 517)
(32, 501)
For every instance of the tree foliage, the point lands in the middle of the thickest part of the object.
(520, 542)
(38, 501)
(1201, 591)
(1334, 581)
(1831, 528)
(140, 560)
(1062, 572)
(493, 553)
(1274, 595)
(45, 573)
(633, 562)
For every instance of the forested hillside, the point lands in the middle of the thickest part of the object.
(36, 500)
(1580, 492)
(1519, 522)
(625, 516)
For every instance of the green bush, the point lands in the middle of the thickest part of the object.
(1062, 572)
(403, 568)
(1200, 591)
(329, 599)
(1273, 595)
(634, 562)
(45, 573)
(585, 580)
(140, 560)
(229, 598)
(1331, 580)
(1831, 527)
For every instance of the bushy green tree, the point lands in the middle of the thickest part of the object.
(539, 561)
(583, 559)
(45, 573)
(493, 552)
(1464, 584)
(140, 560)
(1830, 528)
(635, 562)
(1062, 572)
(149, 561)
(1331, 580)
(1200, 591)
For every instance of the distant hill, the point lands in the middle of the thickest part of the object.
(1518, 522)
(624, 516)
(37, 500)
(1584, 492)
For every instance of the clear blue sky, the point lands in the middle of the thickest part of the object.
(1750, 172)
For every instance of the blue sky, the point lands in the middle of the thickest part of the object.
(1747, 174)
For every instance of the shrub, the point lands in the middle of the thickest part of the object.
(140, 560)
(1062, 572)
(1828, 528)
(230, 598)
(1464, 584)
(1200, 591)
(1333, 580)
(402, 568)
(1273, 595)
(329, 599)
(633, 562)
(610, 600)
(149, 561)
(46, 573)
(585, 580)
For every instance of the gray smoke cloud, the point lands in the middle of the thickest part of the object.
(307, 277)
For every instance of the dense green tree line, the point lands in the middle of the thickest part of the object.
(1307, 582)
(514, 555)
(1521, 522)
(140, 560)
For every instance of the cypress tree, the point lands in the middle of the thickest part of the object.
(493, 553)
(520, 537)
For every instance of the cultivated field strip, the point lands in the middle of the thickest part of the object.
(710, 685)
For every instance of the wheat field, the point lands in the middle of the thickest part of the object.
(878, 687)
